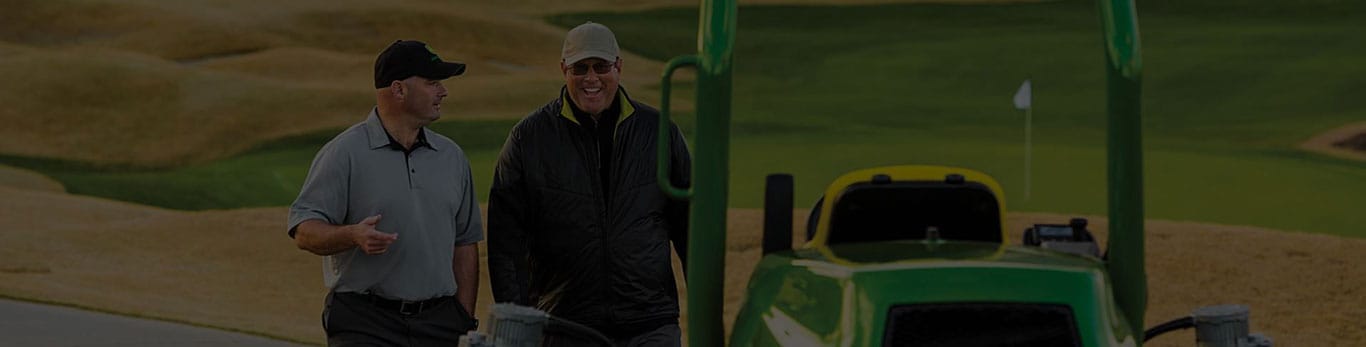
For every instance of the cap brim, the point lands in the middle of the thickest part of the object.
(585, 55)
(444, 70)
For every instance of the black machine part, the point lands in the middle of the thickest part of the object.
(778, 213)
(883, 209)
(1070, 238)
(1215, 326)
(954, 181)
(513, 325)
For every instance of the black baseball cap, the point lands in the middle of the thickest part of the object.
(407, 58)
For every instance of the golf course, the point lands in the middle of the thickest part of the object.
(151, 147)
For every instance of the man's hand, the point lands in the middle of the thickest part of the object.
(321, 238)
(370, 240)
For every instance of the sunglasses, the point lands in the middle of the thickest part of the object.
(600, 68)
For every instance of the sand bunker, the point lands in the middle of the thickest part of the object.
(1348, 141)
(24, 179)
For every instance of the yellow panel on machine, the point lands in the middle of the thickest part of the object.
(910, 202)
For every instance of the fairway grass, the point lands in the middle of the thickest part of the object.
(825, 90)
(269, 175)
(1291, 192)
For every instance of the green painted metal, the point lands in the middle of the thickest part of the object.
(839, 295)
(1123, 72)
(662, 169)
(711, 159)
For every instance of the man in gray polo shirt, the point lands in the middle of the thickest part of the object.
(391, 207)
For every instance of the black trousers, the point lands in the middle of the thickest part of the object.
(354, 320)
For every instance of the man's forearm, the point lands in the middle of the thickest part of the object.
(465, 265)
(322, 238)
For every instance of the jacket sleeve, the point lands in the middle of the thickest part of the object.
(507, 234)
(680, 173)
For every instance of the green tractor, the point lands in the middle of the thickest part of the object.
(911, 255)
(917, 256)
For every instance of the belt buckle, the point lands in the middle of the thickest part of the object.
(408, 308)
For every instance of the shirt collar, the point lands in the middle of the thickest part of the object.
(380, 138)
(623, 103)
(608, 116)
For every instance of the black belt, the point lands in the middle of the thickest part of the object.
(403, 307)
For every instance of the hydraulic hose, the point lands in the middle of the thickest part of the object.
(1175, 324)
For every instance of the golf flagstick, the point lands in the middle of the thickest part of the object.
(1024, 101)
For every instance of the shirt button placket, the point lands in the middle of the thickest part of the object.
(414, 181)
(412, 171)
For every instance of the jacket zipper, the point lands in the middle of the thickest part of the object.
(603, 221)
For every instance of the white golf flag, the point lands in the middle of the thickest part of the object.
(1023, 96)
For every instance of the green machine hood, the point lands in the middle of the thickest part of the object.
(935, 293)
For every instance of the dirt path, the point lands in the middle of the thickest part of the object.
(29, 324)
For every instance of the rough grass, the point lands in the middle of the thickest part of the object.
(124, 26)
(152, 83)
(238, 270)
(132, 109)
(156, 84)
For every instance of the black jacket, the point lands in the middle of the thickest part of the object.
(557, 243)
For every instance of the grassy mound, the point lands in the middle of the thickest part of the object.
(153, 84)
(126, 108)
(149, 29)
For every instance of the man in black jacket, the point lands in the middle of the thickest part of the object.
(578, 225)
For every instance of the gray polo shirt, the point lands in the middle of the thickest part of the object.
(426, 196)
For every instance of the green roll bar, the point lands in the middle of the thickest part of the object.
(1124, 162)
(711, 167)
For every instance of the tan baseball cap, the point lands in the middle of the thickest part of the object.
(590, 40)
